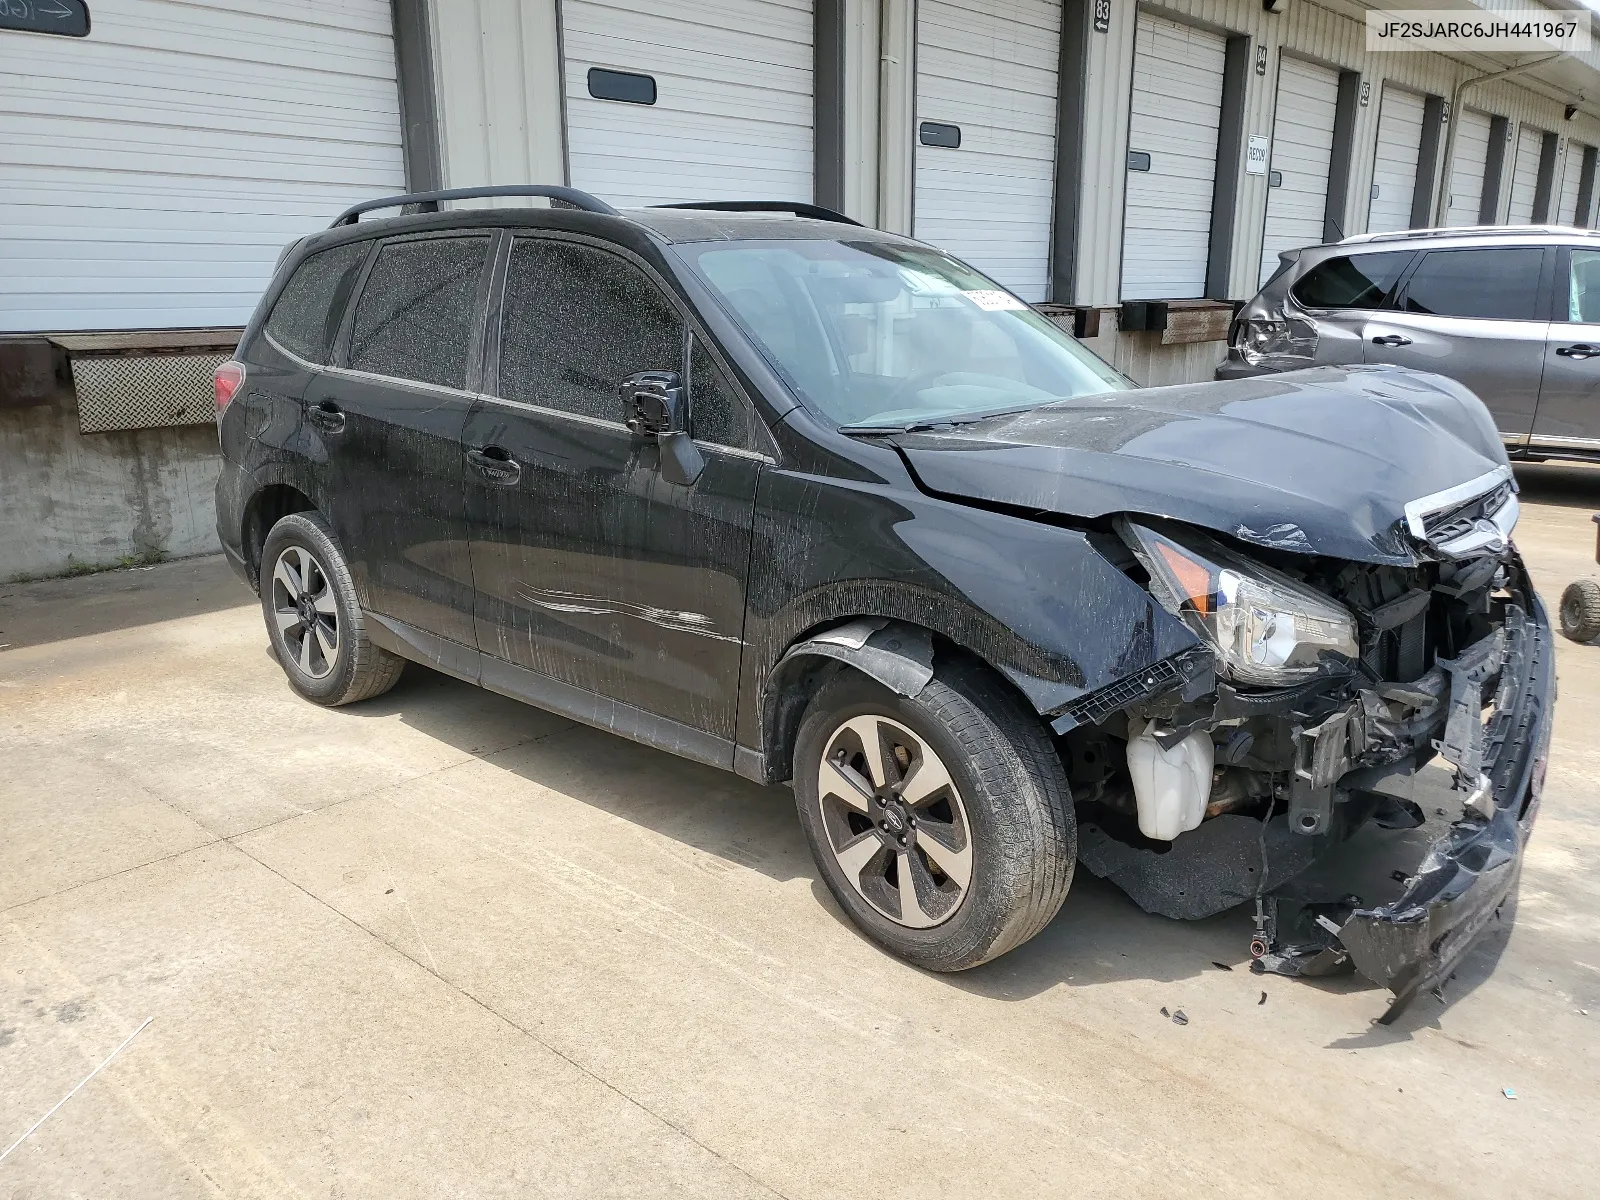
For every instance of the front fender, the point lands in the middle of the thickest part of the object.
(1035, 601)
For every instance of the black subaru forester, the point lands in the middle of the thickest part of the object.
(817, 503)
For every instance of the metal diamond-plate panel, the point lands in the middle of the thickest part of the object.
(145, 392)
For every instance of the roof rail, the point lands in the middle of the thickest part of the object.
(815, 211)
(1400, 235)
(429, 201)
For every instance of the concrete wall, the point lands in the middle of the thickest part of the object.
(72, 501)
(1143, 358)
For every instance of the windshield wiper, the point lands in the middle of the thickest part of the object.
(874, 430)
(940, 422)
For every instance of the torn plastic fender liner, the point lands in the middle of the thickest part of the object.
(897, 655)
(1414, 943)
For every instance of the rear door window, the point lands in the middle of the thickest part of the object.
(418, 310)
(578, 320)
(1352, 281)
(1583, 287)
(305, 319)
(1490, 284)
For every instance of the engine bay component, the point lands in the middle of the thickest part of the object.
(1171, 785)
(1336, 686)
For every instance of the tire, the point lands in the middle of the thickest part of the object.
(301, 558)
(1006, 809)
(1580, 610)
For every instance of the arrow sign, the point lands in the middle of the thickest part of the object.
(65, 18)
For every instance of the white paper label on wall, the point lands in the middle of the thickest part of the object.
(994, 301)
(1255, 155)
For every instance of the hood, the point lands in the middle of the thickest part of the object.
(1320, 461)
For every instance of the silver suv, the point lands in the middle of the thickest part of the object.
(1513, 313)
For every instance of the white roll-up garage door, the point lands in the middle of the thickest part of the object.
(154, 170)
(718, 99)
(1394, 170)
(1571, 179)
(1468, 166)
(1302, 151)
(1174, 116)
(1525, 175)
(986, 121)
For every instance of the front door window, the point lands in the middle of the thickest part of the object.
(594, 572)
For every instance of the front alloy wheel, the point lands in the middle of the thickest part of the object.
(895, 821)
(307, 611)
(941, 823)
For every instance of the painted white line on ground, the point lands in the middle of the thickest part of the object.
(74, 1091)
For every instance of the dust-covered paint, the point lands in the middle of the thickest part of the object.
(504, 524)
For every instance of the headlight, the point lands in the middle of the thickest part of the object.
(1258, 340)
(1265, 628)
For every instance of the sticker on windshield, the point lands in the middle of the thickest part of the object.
(994, 301)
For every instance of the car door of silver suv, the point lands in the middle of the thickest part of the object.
(1477, 315)
(1569, 397)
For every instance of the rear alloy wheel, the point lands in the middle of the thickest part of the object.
(306, 611)
(314, 618)
(941, 822)
(1580, 610)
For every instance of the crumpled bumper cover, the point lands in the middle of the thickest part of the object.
(1413, 943)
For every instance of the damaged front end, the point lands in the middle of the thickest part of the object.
(1357, 750)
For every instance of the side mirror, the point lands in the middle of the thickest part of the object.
(654, 407)
(653, 404)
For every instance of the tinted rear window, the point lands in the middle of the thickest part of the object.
(415, 316)
(1583, 286)
(1353, 281)
(1487, 284)
(306, 317)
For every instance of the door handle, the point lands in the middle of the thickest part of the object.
(496, 462)
(327, 415)
(1580, 350)
(1391, 339)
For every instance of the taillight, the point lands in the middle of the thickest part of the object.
(1285, 340)
(230, 378)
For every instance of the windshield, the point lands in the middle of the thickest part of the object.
(876, 334)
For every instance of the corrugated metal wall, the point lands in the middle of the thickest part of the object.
(500, 109)
(151, 173)
(1313, 30)
(498, 86)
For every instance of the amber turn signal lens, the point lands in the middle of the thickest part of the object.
(1192, 577)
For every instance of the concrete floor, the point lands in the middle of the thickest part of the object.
(441, 944)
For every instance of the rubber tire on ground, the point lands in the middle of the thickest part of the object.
(1019, 809)
(1580, 610)
(361, 670)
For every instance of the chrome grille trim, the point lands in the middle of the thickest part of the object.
(1469, 518)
